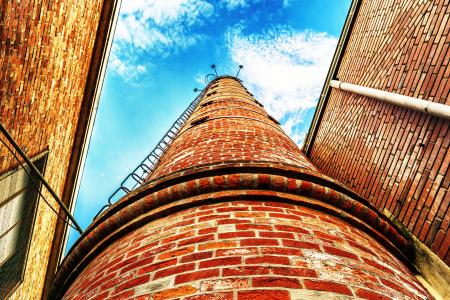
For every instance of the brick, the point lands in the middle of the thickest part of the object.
(281, 251)
(238, 234)
(184, 290)
(326, 236)
(216, 245)
(178, 237)
(300, 244)
(123, 295)
(132, 283)
(265, 208)
(285, 216)
(263, 295)
(174, 270)
(188, 277)
(291, 229)
(207, 230)
(151, 250)
(176, 253)
(300, 272)
(231, 209)
(292, 283)
(195, 240)
(249, 214)
(224, 284)
(396, 287)
(224, 261)
(247, 270)
(267, 259)
(371, 295)
(196, 256)
(156, 266)
(378, 266)
(213, 217)
(327, 286)
(259, 242)
(126, 262)
(237, 251)
(339, 252)
(253, 227)
(232, 221)
(212, 296)
(285, 235)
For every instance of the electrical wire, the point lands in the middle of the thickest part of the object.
(35, 185)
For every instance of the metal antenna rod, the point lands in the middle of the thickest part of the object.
(213, 66)
(240, 67)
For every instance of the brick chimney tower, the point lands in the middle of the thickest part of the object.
(234, 210)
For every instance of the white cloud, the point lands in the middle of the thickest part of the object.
(156, 28)
(285, 69)
(233, 4)
(236, 4)
(125, 68)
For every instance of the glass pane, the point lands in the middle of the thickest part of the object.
(10, 212)
(12, 183)
(8, 244)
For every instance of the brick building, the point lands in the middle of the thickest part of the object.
(234, 210)
(52, 56)
(395, 157)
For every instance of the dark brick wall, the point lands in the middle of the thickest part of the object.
(396, 158)
(45, 52)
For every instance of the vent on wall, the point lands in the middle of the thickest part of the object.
(199, 121)
(207, 103)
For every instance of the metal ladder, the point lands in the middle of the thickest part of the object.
(143, 171)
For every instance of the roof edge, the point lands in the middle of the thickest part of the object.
(332, 72)
(91, 97)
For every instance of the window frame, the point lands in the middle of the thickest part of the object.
(15, 265)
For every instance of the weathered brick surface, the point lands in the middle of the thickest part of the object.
(396, 158)
(45, 51)
(217, 220)
(237, 129)
(350, 264)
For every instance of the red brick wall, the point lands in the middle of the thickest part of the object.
(45, 53)
(396, 158)
(246, 250)
(237, 129)
(226, 215)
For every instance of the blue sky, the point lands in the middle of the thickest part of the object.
(163, 49)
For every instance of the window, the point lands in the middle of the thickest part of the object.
(18, 202)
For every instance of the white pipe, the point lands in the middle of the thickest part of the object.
(428, 107)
